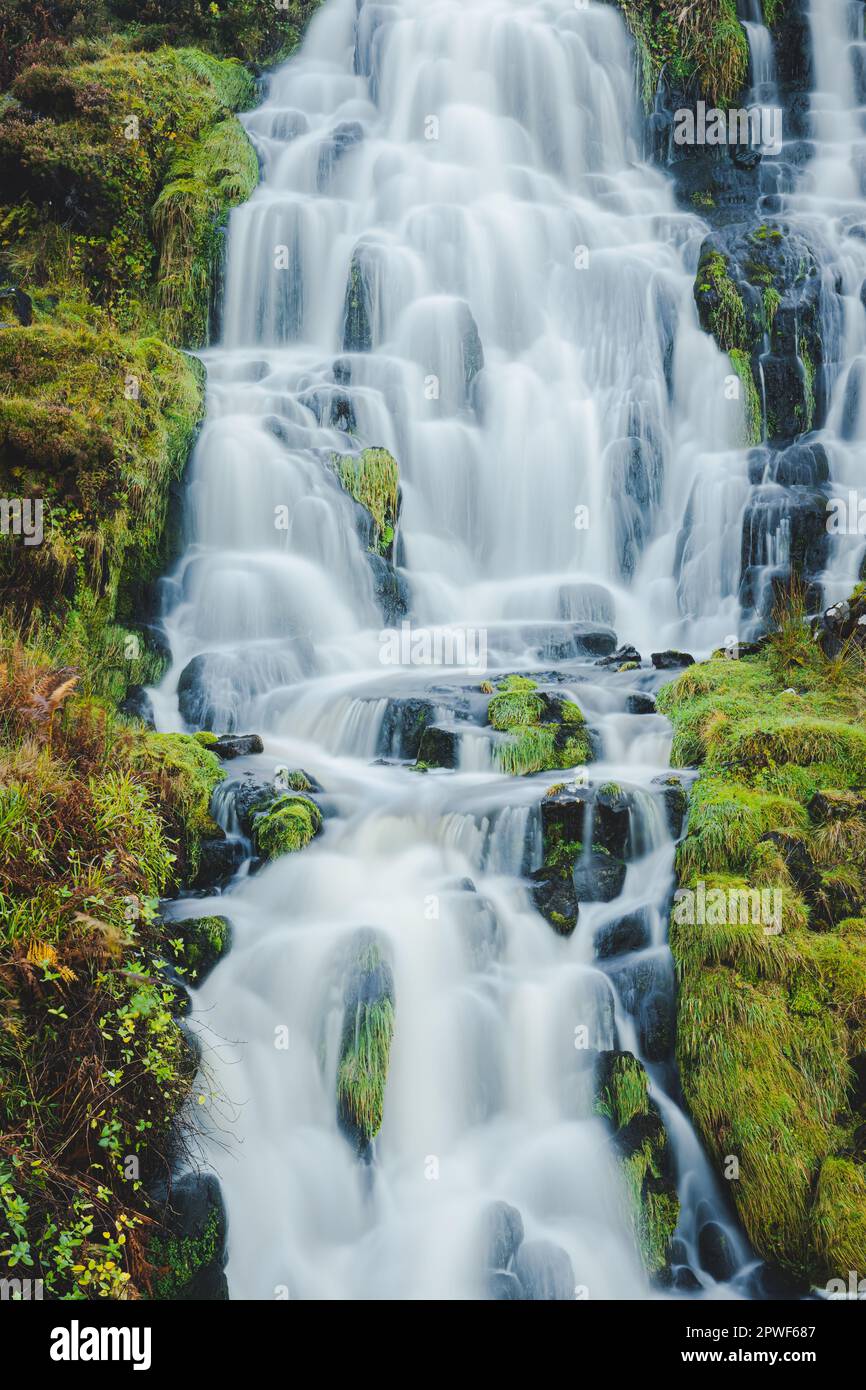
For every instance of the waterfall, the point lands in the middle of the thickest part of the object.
(456, 254)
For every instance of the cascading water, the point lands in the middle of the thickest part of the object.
(527, 346)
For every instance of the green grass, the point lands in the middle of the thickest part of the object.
(373, 479)
(702, 47)
(533, 745)
(768, 1024)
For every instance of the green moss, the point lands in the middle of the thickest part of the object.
(720, 304)
(510, 709)
(372, 478)
(726, 821)
(768, 1022)
(840, 1218)
(544, 733)
(624, 1092)
(197, 944)
(102, 463)
(644, 1156)
(365, 1046)
(177, 1260)
(808, 366)
(705, 43)
(216, 173)
(182, 775)
(287, 826)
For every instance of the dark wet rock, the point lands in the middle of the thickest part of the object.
(219, 861)
(364, 269)
(800, 465)
(841, 624)
(620, 656)
(832, 806)
(343, 137)
(857, 1084)
(715, 1253)
(403, 726)
(799, 515)
(138, 705)
(439, 747)
(598, 877)
(564, 641)
(215, 685)
(14, 303)
(611, 819)
(471, 350)
(685, 1279)
(188, 1251)
(634, 465)
(852, 401)
(639, 703)
(236, 746)
(503, 1234)
(671, 660)
(798, 862)
(800, 322)
(545, 1272)
(676, 802)
(657, 1025)
(391, 588)
(554, 896)
(645, 985)
(564, 817)
(630, 933)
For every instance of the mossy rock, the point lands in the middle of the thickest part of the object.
(288, 825)
(544, 731)
(365, 1045)
(372, 478)
(644, 1155)
(198, 944)
(188, 1253)
(183, 775)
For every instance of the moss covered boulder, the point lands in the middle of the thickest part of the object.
(644, 1154)
(287, 825)
(365, 1043)
(198, 944)
(544, 731)
(372, 479)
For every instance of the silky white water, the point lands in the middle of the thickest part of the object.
(478, 164)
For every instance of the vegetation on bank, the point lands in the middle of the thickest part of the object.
(98, 821)
(120, 158)
(771, 1033)
(699, 47)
